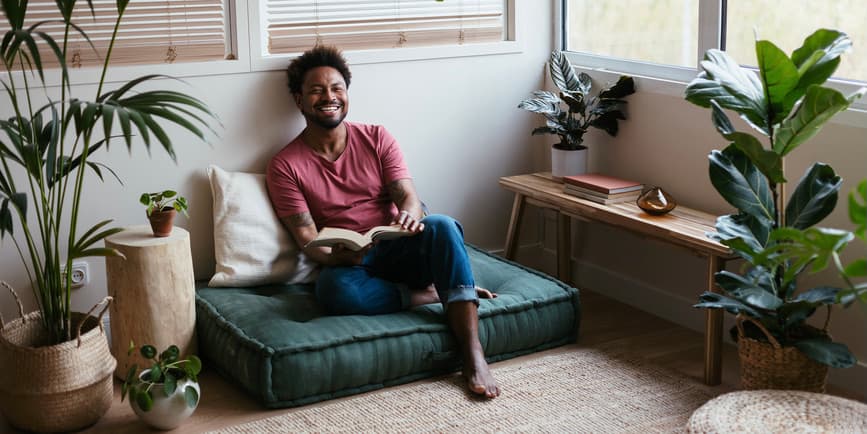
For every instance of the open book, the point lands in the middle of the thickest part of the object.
(328, 237)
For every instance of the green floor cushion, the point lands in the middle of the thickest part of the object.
(277, 344)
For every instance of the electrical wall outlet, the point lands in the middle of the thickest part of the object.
(80, 274)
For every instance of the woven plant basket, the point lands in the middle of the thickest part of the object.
(55, 388)
(769, 365)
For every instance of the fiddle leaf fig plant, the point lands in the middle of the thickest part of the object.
(161, 377)
(785, 104)
(573, 111)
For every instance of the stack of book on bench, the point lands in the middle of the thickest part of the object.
(603, 189)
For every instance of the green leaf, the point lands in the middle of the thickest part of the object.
(757, 297)
(194, 364)
(824, 351)
(768, 162)
(170, 384)
(779, 75)
(818, 58)
(713, 300)
(732, 87)
(858, 209)
(745, 234)
(543, 104)
(191, 396)
(821, 295)
(625, 86)
(738, 181)
(608, 122)
(144, 400)
(148, 351)
(820, 104)
(814, 198)
(858, 268)
(564, 76)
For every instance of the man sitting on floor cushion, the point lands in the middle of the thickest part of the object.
(353, 176)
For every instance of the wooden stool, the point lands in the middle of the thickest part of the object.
(154, 294)
(778, 411)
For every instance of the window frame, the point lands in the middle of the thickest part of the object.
(671, 79)
(236, 42)
(264, 62)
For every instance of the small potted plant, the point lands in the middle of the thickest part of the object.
(168, 392)
(573, 111)
(161, 209)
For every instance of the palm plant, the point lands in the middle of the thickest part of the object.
(786, 104)
(53, 143)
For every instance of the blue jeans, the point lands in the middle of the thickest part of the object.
(392, 268)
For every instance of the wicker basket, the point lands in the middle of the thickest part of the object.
(768, 365)
(54, 388)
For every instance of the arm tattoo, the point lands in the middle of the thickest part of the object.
(397, 192)
(303, 219)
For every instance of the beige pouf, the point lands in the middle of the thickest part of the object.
(779, 411)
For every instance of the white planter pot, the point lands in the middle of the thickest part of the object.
(565, 163)
(168, 411)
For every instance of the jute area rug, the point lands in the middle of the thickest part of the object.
(586, 390)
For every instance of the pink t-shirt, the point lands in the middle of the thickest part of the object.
(347, 193)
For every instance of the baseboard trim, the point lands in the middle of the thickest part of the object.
(671, 307)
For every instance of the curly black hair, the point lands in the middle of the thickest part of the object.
(321, 55)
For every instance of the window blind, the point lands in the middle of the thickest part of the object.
(151, 31)
(297, 25)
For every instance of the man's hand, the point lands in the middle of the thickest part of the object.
(340, 255)
(408, 222)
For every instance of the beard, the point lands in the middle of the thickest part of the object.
(328, 123)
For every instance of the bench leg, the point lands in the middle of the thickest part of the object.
(713, 330)
(514, 226)
(564, 248)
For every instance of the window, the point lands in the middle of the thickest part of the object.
(667, 38)
(656, 31)
(152, 31)
(292, 26)
(785, 22)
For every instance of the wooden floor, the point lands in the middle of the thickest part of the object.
(604, 322)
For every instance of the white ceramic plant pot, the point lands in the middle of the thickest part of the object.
(565, 163)
(168, 411)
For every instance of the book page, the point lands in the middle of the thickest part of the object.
(328, 237)
(389, 232)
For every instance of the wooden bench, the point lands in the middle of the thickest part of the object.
(683, 227)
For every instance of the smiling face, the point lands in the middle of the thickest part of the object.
(323, 99)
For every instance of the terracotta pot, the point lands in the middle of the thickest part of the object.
(162, 221)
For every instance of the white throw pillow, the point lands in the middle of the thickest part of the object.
(251, 246)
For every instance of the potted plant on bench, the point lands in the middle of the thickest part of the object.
(787, 104)
(573, 111)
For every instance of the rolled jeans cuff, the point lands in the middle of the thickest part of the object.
(462, 293)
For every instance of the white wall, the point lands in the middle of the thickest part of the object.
(456, 120)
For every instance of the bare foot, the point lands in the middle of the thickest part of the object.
(423, 296)
(485, 293)
(479, 378)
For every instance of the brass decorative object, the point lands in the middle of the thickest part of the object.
(656, 201)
